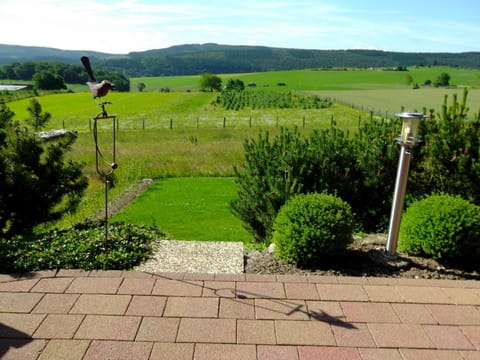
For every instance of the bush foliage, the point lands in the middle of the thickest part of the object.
(360, 169)
(441, 226)
(449, 155)
(81, 247)
(291, 164)
(310, 226)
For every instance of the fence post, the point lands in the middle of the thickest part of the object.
(224, 122)
(143, 123)
(171, 123)
(250, 122)
(303, 124)
(198, 122)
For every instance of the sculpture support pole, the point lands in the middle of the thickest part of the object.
(111, 165)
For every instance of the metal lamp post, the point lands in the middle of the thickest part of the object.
(408, 139)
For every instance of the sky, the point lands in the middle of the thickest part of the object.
(124, 26)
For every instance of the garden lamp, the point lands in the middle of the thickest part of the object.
(410, 125)
(407, 140)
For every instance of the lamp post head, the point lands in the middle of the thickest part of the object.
(410, 124)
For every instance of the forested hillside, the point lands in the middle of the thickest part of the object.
(213, 58)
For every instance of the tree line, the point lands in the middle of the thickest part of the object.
(55, 75)
(196, 59)
(224, 59)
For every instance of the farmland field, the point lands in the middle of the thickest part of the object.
(352, 79)
(390, 101)
(384, 92)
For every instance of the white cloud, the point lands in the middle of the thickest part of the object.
(134, 25)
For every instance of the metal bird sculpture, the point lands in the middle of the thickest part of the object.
(98, 89)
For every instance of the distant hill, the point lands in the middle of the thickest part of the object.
(192, 59)
(16, 53)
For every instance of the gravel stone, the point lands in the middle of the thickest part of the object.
(195, 257)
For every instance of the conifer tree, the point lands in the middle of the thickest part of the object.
(37, 184)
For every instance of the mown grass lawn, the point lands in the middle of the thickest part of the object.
(189, 209)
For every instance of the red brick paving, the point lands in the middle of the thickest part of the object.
(56, 303)
(158, 329)
(75, 314)
(167, 351)
(473, 334)
(398, 335)
(207, 331)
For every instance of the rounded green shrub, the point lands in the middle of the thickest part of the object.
(310, 226)
(442, 227)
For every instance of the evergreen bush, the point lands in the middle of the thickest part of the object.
(310, 226)
(290, 164)
(442, 227)
(377, 152)
(448, 159)
(38, 182)
(360, 169)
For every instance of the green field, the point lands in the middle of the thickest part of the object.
(312, 80)
(384, 92)
(374, 90)
(207, 141)
(150, 111)
(147, 147)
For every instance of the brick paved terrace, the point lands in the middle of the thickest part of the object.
(74, 314)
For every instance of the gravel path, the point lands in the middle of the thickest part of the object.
(196, 257)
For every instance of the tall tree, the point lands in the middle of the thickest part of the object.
(442, 80)
(210, 82)
(47, 81)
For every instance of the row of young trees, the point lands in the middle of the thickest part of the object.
(236, 100)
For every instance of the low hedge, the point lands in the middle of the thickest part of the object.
(82, 246)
